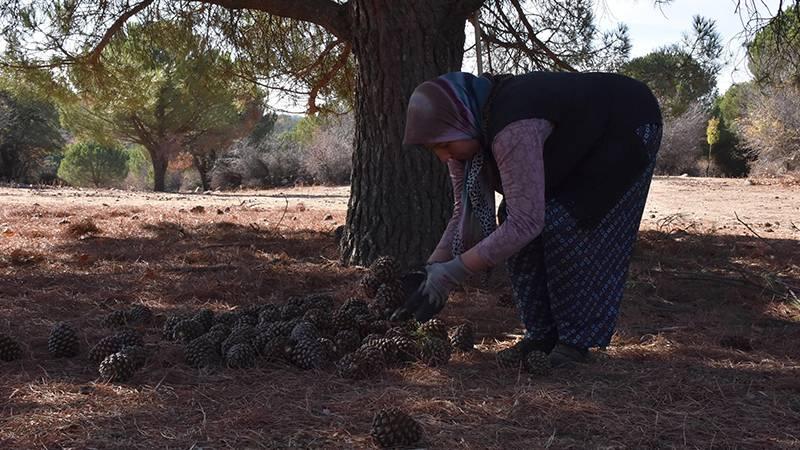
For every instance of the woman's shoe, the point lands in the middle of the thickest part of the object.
(564, 355)
(514, 356)
(527, 345)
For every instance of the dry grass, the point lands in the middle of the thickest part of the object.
(669, 380)
(83, 227)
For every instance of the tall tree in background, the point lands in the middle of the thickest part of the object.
(161, 86)
(682, 73)
(774, 52)
(29, 133)
(770, 122)
(206, 145)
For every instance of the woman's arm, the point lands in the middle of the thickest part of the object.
(518, 150)
(443, 251)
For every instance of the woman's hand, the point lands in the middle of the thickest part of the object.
(442, 277)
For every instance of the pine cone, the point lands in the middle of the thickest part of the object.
(394, 428)
(63, 341)
(9, 348)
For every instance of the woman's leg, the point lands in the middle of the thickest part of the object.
(586, 268)
(529, 288)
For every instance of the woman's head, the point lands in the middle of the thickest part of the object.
(444, 115)
(460, 150)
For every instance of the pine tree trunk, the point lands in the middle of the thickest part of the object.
(160, 162)
(400, 198)
(204, 164)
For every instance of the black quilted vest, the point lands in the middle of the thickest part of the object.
(593, 155)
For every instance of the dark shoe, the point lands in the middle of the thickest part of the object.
(564, 355)
(545, 345)
(514, 356)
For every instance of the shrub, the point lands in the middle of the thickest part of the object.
(771, 128)
(329, 155)
(273, 161)
(87, 163)
(317, 150)
(683, 143)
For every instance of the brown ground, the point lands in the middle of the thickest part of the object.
(698, 276)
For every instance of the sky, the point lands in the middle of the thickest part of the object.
(652, 27)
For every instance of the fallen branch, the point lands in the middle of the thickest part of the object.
(753, 231)
(285, 208)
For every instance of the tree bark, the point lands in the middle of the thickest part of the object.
(204, 164)
(400, 198)
(160, 162)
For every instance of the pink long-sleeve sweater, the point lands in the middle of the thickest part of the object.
(517, 150)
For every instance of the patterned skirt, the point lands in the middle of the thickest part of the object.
(569, 281)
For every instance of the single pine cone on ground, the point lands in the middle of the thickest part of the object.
(435, 328)
(240, 356)
(117, 367)
(9, 348)
(139, 314)
(393, 428)
(63, 341)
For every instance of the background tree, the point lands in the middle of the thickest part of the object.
(163, 87)
(766, 110)
(731, 157)
(207, 145)
(328, 158)
(29, 135)
(682, 73)
(774, 52)
(712, 139)
(771, 128)
(88, 163)
(683, 142)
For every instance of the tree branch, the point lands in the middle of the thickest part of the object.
(326, 78)
(325, 13)
(532, 35)
(521, 45)
(94, 55)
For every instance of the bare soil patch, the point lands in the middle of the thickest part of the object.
(702, 283)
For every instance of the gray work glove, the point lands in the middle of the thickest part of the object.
(441, 279)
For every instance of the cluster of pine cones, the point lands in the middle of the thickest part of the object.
(355, 339)
(309, 332)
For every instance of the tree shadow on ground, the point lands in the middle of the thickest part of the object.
(668, 379)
